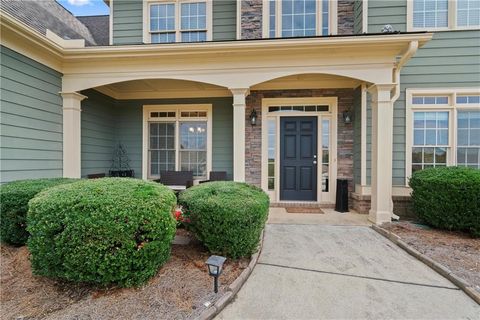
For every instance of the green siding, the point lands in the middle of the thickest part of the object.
(30, 119)
(129, 130)
(382, 12)
(358, 17)
(98, 133)
(357, 135)
(449, 60)
(127, 22)
(224, 20)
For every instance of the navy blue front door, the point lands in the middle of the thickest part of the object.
(298, 158)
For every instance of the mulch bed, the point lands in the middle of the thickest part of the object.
(457, 251)
(179, 290)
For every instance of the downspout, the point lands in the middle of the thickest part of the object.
(411, 50)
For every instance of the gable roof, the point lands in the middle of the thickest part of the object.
(99, 28)
(48, 14)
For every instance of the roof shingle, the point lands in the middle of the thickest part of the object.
(48, 14)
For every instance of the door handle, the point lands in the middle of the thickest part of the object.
(314, 161)
(314, 156)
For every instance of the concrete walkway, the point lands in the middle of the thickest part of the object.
(315, 271)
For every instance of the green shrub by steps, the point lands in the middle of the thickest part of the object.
(448, 198)
(227, 217)
(14, 197)
(103, 231)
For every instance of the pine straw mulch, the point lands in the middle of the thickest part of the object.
(457, 251)
(178, 291)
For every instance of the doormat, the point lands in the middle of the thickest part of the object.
(304, 210)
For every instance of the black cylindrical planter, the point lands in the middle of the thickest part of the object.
(341, 203)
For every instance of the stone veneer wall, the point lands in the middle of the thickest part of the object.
(251, 19)
(253, 135)
(345, 16)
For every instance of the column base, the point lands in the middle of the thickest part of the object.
(379, 217)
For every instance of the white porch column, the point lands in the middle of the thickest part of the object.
(239, 105)
(382, 148)
(72, 134)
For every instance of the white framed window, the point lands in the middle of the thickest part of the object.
(299, 18)
(436, 15)
(177, 138)
(442, 128)
(177, 21)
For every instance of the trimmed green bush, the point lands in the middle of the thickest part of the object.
(227, 217)
(14, 197)
(102, 231)
(448, 198)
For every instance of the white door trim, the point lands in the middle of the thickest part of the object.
(332, 102)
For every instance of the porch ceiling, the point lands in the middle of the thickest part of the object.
(162, 89)
(169, 89)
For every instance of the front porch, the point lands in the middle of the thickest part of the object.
(198, 118)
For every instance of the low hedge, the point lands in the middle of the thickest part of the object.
(227, 217)
(448, 198)
(104, 231)
(14, 197)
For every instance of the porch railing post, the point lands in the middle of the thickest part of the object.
(72, 134)
(239, 105)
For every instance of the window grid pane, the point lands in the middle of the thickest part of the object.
(469, 99)
(468, 139)
(430, 100)
(161, 147)
(430, 13)
(325, 14)
(468, 13)
(430, 128)
(272, 15)
(194, 16)
(428, 157)
(298, 18)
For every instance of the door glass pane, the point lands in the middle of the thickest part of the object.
(272, 136)
(325, 154)
(161, 149)
(193, 148)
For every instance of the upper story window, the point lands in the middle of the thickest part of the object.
(430, 13)
(443, 14)
(299, 18)
(177, 21)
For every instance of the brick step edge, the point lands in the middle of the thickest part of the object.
(233, 288)
(439, 268)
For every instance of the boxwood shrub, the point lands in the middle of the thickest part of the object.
(227, 217)
(448, 198)
(14, 197)
(103, 231)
